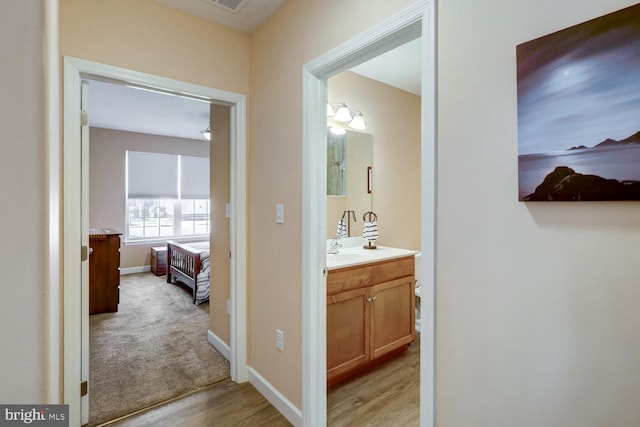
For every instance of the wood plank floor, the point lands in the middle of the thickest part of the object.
(224, 404)
(388, 395)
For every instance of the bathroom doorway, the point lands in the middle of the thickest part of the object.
(379, 161)
(417, 20)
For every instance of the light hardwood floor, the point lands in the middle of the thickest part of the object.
(388, 395)
(223, 404)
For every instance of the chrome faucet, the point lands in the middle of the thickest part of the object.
(334, 247)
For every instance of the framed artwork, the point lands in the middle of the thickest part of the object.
(579, 111)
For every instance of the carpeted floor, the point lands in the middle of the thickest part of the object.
(153, 349)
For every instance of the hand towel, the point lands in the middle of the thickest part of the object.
(370, 230)
(342, 229)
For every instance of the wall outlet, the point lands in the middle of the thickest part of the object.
(229, 307)
(279, 340)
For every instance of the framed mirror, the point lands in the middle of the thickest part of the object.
(349, 179)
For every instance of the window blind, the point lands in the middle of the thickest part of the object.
(194, 180)
(152, 175)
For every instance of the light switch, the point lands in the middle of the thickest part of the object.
(228, 210)
(279, 213)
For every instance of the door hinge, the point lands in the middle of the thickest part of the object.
(325, 272)
(84, 253)
(84, 389)
(84, 118)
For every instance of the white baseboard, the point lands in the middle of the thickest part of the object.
(277, 399)
(219, 345)
(134, 270)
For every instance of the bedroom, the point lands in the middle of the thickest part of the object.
(121, 142)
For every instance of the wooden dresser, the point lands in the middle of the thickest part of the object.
(370, 315)
(104, 270)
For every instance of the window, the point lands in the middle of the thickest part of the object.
(167, 196)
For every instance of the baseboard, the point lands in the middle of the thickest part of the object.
(134, 270)
(277, 399)
(219, 345)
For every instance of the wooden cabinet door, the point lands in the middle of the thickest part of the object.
(104, 273)
(392, 315)
(347, 332)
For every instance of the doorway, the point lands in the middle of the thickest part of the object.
(75, 291)
(407, 25)
(148, 148)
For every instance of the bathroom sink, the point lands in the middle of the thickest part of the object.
(357, 256)
(347, 258)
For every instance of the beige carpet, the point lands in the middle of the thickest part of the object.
(153, 349)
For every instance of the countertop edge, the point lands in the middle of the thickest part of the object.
(398, 253)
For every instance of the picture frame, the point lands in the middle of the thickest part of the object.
(579, 111)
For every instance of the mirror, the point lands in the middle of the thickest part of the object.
(349, 179)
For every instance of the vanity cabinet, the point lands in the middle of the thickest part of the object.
(370, 315)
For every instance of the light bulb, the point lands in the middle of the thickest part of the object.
(358, 122)
(343, 114)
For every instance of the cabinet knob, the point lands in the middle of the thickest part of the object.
(370, 299)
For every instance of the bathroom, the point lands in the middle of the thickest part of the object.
(392, 118)
(382, 172)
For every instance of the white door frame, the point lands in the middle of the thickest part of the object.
(416, 20)
(74, 70)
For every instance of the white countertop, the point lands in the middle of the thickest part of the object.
(349, 257)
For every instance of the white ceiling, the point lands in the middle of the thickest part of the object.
(120, 107)
(249, 15)
(114, 106)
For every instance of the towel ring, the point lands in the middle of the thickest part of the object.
(369, 215)
(350, 214)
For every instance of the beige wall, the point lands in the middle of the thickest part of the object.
(146, 36)
(536, 302)
(23, 188)
(299, 32)
(392, 116)
(107, 148)
(219, 321)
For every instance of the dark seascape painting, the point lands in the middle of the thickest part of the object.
(579, 111)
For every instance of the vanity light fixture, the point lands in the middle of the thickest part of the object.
(337, 130)
(206, 133)
(342, 113)
(358, 122)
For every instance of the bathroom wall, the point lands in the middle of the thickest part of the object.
(392, 117)
(536, 302)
